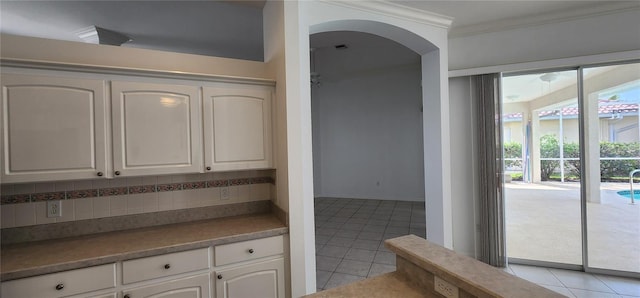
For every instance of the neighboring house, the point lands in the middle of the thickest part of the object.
(618, 124)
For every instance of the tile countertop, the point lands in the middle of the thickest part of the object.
(42, 257)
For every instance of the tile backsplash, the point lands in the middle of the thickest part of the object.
(25, 204)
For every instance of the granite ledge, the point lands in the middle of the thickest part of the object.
(418, 261)
(36, 258)
(476, 278)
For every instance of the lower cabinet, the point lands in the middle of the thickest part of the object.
(263, 279)
(251, 269)
(191, 287)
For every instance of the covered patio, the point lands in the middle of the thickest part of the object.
(543, 223)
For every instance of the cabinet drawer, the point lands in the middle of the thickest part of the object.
(248, 250)
(164, 265)
(62, 284)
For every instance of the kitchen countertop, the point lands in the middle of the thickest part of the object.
(387, 285)
(42, 257)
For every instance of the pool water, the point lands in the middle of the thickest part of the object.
(627, 194)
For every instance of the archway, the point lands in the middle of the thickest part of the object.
(366, 99)
(437, 206)
(287, 28)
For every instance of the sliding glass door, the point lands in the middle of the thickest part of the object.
(571, 140)
(541, 146)
(611, 100)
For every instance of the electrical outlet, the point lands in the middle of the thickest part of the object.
(224, 193)
(54, 208)
(444, 288)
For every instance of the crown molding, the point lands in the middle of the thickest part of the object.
(555, 17)
(132, 71)
(558, 63)
(399, 11)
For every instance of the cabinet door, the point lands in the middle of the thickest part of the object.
(265, 279)
(156, 129)
(52, 128)
(237, 128)
(192, 287)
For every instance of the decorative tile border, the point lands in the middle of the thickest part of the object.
(137, 189)
(79, 194)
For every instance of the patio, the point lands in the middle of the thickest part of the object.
(543, 223)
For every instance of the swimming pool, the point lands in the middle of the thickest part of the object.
(627, 194)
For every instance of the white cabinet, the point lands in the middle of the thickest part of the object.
(263, 279)
(60, 126)
(164, 265)
(263, 276)
(53, 128)
(62, 284)
(191, 287)
(253, 268)
(155, 269)
(156, 128)
(237, 127)
(248, 250)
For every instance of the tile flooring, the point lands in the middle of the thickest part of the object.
(349, 247)
(350, 234)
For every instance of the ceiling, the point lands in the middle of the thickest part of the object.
(478, 16)
(234, 28)
(230, 29)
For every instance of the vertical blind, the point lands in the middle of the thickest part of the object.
(486, 90)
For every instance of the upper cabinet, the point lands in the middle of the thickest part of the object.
(61, 125)
(237, 127)
(156, 129)
(52, 128)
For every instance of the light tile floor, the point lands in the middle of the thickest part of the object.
(349, 247)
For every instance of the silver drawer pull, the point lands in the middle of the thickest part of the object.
(59, 287)
(250, 250)
(167, 266)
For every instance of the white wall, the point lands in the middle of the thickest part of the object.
(367, 119)
(77, 53)
(595, 35)
(463, 166)
(273, 26)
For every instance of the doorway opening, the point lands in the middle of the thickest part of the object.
(368, 155)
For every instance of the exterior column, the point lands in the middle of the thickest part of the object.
(592, 148)
(526, 162)
(536, 173)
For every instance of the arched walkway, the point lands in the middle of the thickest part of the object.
(287, 46)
